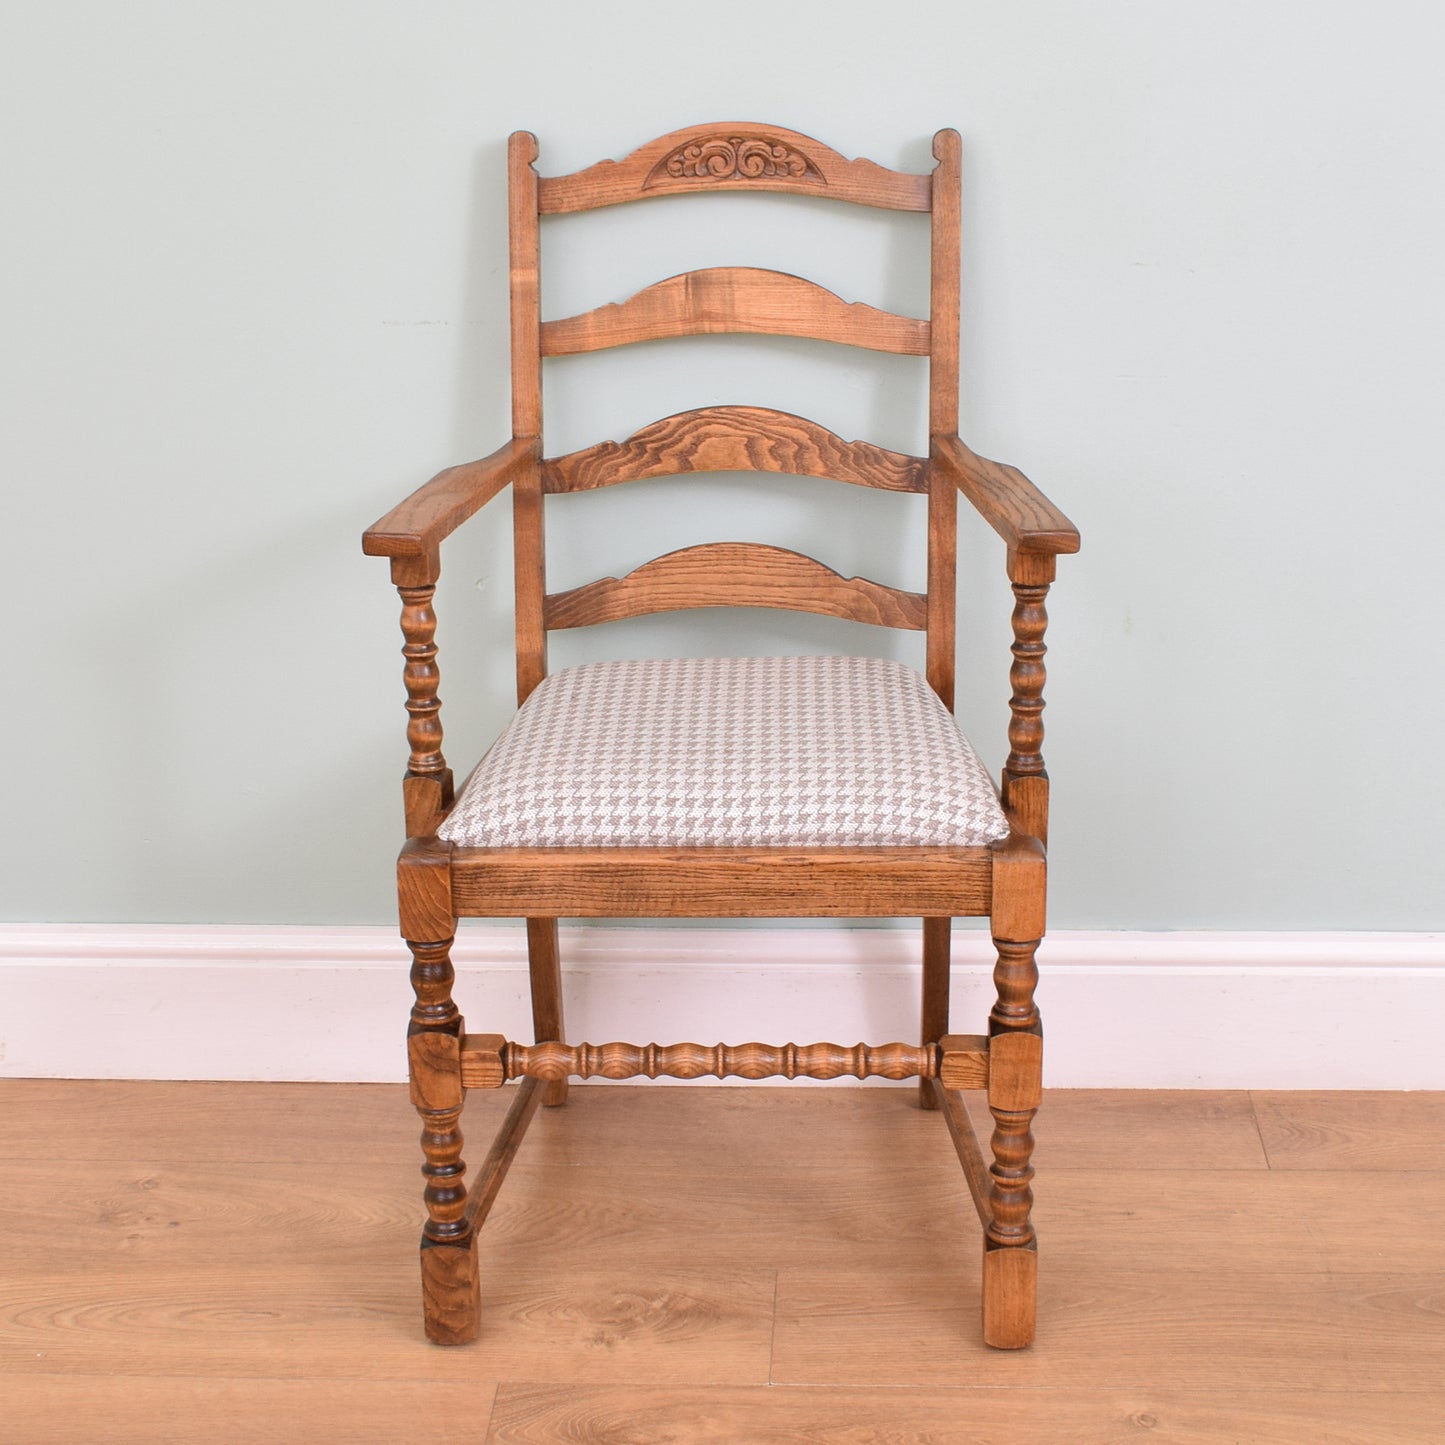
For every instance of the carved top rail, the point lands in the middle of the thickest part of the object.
(733, 300)
(734, 439)
(735, 156)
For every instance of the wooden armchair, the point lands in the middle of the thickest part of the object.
(733, 787)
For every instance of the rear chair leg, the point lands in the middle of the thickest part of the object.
(451, 1299)
(545, 968)
(937, 935)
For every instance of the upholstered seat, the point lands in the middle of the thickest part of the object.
(730, 752)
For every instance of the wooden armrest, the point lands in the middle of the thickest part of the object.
(1006, 500)
(414, 527)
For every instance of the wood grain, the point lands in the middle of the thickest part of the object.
(735, 300)
(167, 1410)
(544, 974)
(721, 1061)
(934, 1000)
(1342, 1130)
(730, 156)
(416, 526)
(735, 574)
(1111, 1327)
(567, 1205)
(1005, 499)
(720, 882)
(525, 1099)
(950, 1105)
(629, 1270)
(540, 1414)
(328, 1323)
(528, 543)
(945, 259)
(734, 439)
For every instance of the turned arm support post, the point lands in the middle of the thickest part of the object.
(1036, 532)
(411, 535)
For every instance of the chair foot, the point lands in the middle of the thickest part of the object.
(450, 1290)
(1010, 1288)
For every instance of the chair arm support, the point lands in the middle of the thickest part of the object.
(1006, 500)
(415, 527)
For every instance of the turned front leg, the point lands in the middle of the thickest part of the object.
(1010, 1260)
(450, 1287)
(1015, 1084)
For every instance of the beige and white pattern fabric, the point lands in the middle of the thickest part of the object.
(730, 751)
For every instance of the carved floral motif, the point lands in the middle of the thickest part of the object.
(734, 158)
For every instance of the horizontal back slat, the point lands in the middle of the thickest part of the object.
(735, 299)
(735, 156)
(734, 439)
(735, 574)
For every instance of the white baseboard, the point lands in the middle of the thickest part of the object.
(1122, 1010)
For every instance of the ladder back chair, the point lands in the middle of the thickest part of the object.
(728, 787)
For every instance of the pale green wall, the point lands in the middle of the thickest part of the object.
(253, 258)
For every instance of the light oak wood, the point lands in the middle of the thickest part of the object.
(415, 527)
(934, 1010)
(1343, 1130)
(735, 300)
(528, 541)
(544, 970)
(735, 574)
(1108, 1326)
(438, 883)
(525, 1099)
(696, 1061)
(734, 439)
(720, 882)
(705, 1244)
(960, 1413)
(944, 262)
(735, 155)
(963, 1061)
(1005, 499)
(949, 1102)
(165, 1410)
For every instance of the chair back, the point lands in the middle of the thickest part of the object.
(732, 299)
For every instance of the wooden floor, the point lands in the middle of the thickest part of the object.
(237, 1262)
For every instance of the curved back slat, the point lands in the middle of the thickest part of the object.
(735, 156)
(735, 300)
(735, 574)
(734, 439)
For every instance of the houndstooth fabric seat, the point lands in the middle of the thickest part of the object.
(730, 752)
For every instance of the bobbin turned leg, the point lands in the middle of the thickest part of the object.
(1015, 1078)
(450, 1292)
(937, 935)
(544, 967)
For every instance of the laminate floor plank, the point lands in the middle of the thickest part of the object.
(773, 1127)
(154, 1217)
(1112, 1327)
(215, 1122)
(911, 1217)
(243, 1256)
(784, 1128)
(157, 1216)
(170, 1410)
(711, 1326)
(1329, 1130)
(1139, 1129)
(546, 1414)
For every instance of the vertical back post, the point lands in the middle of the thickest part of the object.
(528, 543)
(943, 411)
